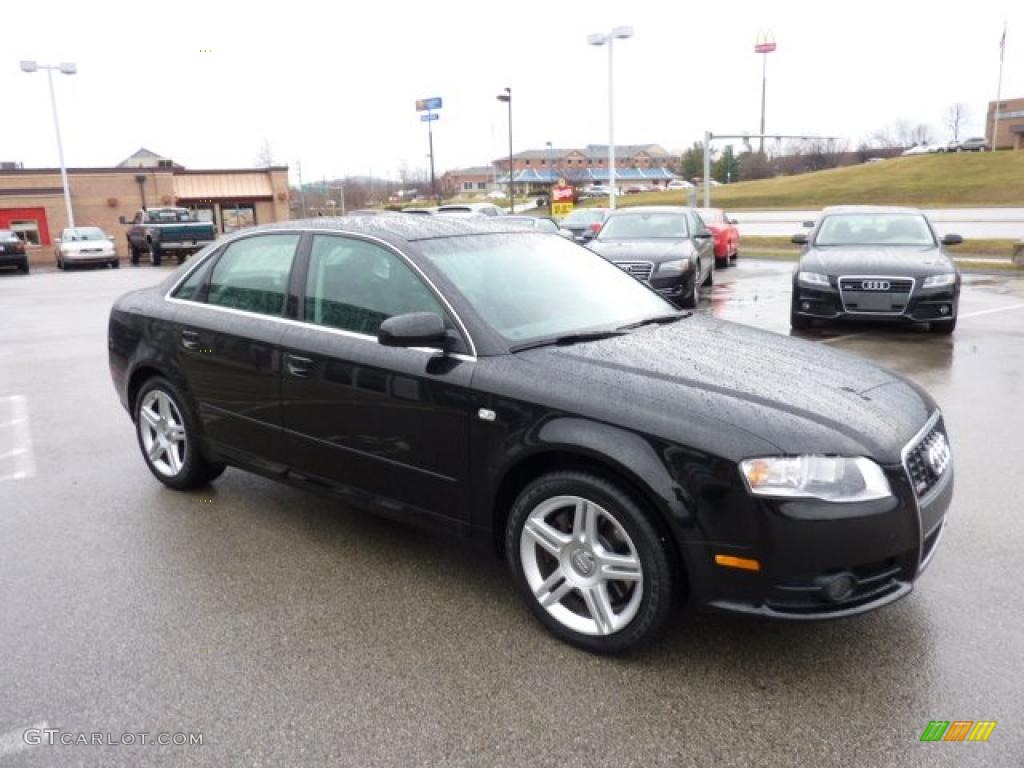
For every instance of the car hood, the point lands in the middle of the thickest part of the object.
(897, 261)
(707, 382)
(80, 245)
(642, 250)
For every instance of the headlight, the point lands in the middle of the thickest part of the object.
(937, 281)
(675, 267)
(812, 278)
(830, 478)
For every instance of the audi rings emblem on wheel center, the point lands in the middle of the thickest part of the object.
(583, 562)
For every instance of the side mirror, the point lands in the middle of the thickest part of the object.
(415, 329)
(732, 221)
(808, 225)
(122, 220)
(952, 239)
(800, 238)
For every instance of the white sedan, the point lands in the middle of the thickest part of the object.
(85, 245)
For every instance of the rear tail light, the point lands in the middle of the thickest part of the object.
(595, 227)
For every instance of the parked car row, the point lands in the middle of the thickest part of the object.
(973, 144)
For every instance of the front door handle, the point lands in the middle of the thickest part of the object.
(190, 340)
(299, 367)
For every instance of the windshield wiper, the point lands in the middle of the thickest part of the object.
(569, 338)
(656, 320)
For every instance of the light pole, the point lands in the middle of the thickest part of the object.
(551, 171)
(507, 98)
(764, 45)
(617, 33)
(68, 68)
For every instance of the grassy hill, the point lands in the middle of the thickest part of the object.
(927, 181)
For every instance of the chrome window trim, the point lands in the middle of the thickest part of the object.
(842, 299)
(328, 233)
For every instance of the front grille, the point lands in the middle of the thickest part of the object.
(882, 295)
(928, 459)
(641, 270)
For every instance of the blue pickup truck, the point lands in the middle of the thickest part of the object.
(159, 231)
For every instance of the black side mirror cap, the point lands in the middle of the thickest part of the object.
(952, 239)
(800, 238)
(703, 235)
(415, 329)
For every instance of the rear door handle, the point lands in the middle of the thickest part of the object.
(299, 367)
(190, 340)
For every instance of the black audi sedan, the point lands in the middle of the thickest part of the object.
(667, 247)
(875, 264)
(467, 376)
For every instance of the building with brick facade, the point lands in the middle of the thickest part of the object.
(634, 163)
(32, 199)
(468, 181)
(1010, 134)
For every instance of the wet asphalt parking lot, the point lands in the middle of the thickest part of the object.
(289, 631)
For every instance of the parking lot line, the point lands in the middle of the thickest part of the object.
(981, 312)
(17, 459)
(14, 741)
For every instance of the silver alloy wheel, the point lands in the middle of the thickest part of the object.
(163, 433)
(581, 565)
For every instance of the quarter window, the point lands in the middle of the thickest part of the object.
(252, 274)
(354, 285)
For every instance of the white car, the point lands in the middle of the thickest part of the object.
(918, 149)
(678, 184)
(485, 209)
(497, 194)
(85, 245)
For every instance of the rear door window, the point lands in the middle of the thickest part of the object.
(252, 274)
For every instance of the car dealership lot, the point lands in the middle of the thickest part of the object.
(290, 632)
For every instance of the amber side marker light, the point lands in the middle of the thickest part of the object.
(743, 563)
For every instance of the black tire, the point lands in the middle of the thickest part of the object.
(24, 267)
(195, 470)
(722, 263)
(710, 279)
(642, 614)
(181, 258)
(156, 254)
(115, 264)
(689, 300)
(134, 252)
(798, 321)
(943, 327)
(60, 264)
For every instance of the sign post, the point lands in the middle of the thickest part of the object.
(428, 106)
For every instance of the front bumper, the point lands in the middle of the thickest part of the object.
(103, 257)
(673, 288)
(13, 259)
(874, 551)
(923, 305)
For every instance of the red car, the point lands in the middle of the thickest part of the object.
(727, 235)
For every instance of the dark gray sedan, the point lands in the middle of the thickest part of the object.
(668, 247)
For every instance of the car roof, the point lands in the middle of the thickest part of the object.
(397, 227)
(870, 209)
(654, 209)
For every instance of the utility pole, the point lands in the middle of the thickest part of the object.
(765, 44)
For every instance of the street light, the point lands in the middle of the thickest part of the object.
(507, 98)
(617, 33)
(551, 171)
(67, 68)
(765, 44)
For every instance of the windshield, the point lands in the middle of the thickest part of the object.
(532, 286)
(875, 229)
(84, 233)
(637, 226)
(583, 218)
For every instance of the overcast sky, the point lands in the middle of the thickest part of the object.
(333, 85)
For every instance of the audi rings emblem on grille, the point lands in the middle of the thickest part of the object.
(938, 454)
(875, 285)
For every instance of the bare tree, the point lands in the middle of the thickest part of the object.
(921, 134)
(956, 117)
(265, 155)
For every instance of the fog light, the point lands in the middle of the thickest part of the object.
(944, 309)
(805, 306)
(838, 587)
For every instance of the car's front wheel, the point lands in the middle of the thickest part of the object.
(589, 562)
(169, 438)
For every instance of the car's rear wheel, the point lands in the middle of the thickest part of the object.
(169, 438)
(156, 254)
(135, 253)
(944, 327)
(116, 263)
(590, 564)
